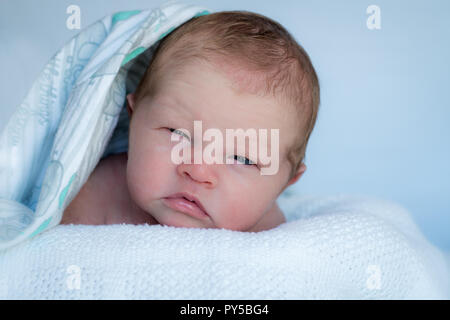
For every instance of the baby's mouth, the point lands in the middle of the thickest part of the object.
(186, 203)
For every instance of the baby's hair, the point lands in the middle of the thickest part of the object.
(257, 52)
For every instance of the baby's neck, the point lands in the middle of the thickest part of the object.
(273, 218)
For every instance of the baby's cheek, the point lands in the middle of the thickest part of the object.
(148, 173)
(243, 210)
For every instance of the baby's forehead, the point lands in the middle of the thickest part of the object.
(218, 106)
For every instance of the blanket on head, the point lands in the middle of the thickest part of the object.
(74, 115)
(340, 247)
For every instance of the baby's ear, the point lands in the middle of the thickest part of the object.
(297, 175)
(130, 103)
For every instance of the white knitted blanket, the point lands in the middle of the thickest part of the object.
(339, 247)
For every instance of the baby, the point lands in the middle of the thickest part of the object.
(228, 70)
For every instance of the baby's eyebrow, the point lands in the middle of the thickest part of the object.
(171, 102)
(167, 108)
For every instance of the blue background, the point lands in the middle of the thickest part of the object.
(383, 122)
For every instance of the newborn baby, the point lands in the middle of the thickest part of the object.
(229, 70)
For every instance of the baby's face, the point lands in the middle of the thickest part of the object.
(235, 196)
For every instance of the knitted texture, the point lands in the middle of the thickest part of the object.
(341, 247)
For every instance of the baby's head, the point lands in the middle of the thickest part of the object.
(229, 70)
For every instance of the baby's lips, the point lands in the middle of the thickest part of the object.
(190, 198)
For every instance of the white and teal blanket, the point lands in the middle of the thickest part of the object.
(56, 137)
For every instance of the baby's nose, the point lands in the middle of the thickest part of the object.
(200, 173)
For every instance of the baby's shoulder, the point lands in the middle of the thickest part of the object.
(96, 198)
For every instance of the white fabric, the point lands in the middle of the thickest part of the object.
(338, 247)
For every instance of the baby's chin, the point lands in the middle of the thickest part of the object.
(183, 224)
(178, 219)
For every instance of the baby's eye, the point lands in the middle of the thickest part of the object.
(244, 160)
(180, 133)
